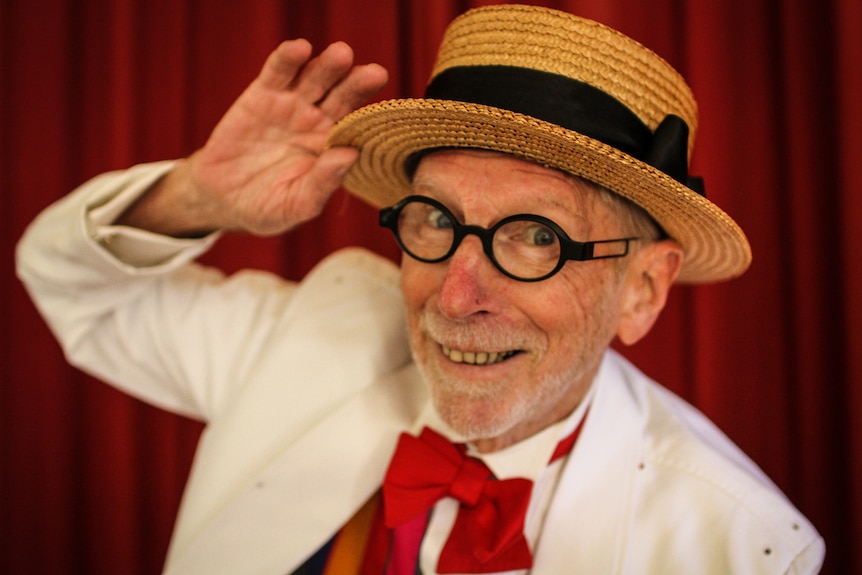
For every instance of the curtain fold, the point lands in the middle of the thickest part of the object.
(90, 479)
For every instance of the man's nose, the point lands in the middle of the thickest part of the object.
(465, 287)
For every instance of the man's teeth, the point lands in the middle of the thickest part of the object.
(476, 358)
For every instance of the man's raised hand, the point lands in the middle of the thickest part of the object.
(263, 169)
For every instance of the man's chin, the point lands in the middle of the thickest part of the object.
(472, 409)
(473, 419)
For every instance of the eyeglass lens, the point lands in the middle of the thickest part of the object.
(520, 246)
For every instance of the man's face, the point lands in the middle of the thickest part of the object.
(505, 358)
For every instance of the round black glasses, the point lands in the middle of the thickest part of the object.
(524, 247)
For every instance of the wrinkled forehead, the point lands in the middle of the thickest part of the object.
(494, 181)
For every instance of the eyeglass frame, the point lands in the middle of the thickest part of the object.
(570, 250)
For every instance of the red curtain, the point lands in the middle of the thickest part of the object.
(90, 479)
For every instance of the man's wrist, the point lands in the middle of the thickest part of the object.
(172, 207)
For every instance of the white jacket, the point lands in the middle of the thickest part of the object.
(305, 388)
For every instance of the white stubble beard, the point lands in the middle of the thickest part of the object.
(482, 411)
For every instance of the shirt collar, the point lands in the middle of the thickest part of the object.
(529, 457)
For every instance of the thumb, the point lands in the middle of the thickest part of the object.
(319, 183)
(328, 171)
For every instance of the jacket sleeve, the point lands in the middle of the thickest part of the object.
(810, 560)
(131, 307)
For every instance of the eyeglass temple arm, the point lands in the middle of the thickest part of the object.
(585, 251)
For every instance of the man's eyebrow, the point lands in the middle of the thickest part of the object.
(426, 185)
(420, 183)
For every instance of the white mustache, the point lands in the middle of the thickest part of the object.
(471, 336)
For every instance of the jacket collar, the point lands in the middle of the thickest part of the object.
(273, 525)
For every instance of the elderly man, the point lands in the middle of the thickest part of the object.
(464, 415)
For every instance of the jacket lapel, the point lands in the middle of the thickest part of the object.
(586, 525)
(300, 500)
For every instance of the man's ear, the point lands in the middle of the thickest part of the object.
(648, 280)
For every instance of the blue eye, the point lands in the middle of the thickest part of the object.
(439, 220)
(541, 236)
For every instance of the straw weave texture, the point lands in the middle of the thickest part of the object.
(557, 42)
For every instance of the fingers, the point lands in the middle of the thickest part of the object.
(323, 72)
(360, 85)
(329, 80)
(284, 63)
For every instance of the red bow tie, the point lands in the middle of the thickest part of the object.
(488, 533)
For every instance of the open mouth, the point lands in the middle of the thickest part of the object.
(476, 357)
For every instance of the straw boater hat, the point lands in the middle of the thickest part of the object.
(564, 92)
